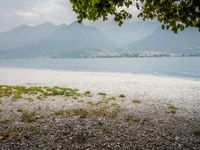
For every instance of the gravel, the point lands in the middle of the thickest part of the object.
(156, 126)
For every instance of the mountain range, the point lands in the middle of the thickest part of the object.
(96, 40)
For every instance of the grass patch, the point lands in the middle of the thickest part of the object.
(83, 113)
(196, 132)
(29, 117)
(17, 92)
(101, 102)
(131, 118)
(102, 94)
(111, 112)
(75, 98)
(172, 109)
(104, 128)
(11, 133)
(91, 103)
(59, 113)
(122, 96)
(33, 129)
(112, 98)
(104, 112)
(136, 101)
(87, 94)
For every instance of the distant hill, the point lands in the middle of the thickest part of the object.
(48, 40)
(138, 39)
(164, 41)
(128, 32)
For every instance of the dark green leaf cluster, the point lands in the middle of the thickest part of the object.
(173, 14)
(95, 9)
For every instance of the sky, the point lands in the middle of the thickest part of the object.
(33, 12)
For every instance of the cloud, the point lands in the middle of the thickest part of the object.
(32, 12)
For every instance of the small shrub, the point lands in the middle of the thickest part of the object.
(88, 94)
(112, 98)
(28, 117)
(172, 109)
(136, 101)
(102, 94)
(122, 96)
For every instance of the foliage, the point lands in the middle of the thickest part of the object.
(172, 109)
(17, 92)
(131, 118)
(173, 14)
(102, 94)
(122, 96)
(136, 101)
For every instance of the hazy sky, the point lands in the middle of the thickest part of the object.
(33, 12)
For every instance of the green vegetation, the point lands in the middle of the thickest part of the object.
(91, 103)
(171, 14)
(136, 101)
(107, 111)
(83, 113)
(74, 97)
(11, 133)
(33, 129)
(59, 113)
(1, 137)
(29, 117)
(196, 132)
(122, 96)
(17, 92)
(88, 94)
(102, 94)
(104, 128)
(131, 118)
(172, 109)
(97, 111)
(112, 98)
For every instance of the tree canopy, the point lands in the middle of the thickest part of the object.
(172, 14)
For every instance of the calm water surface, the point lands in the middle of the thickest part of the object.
(173, 66)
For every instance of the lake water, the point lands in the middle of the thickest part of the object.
(172, 66)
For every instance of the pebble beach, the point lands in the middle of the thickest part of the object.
(107, 111)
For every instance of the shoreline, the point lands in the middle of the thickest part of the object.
(141, 86)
